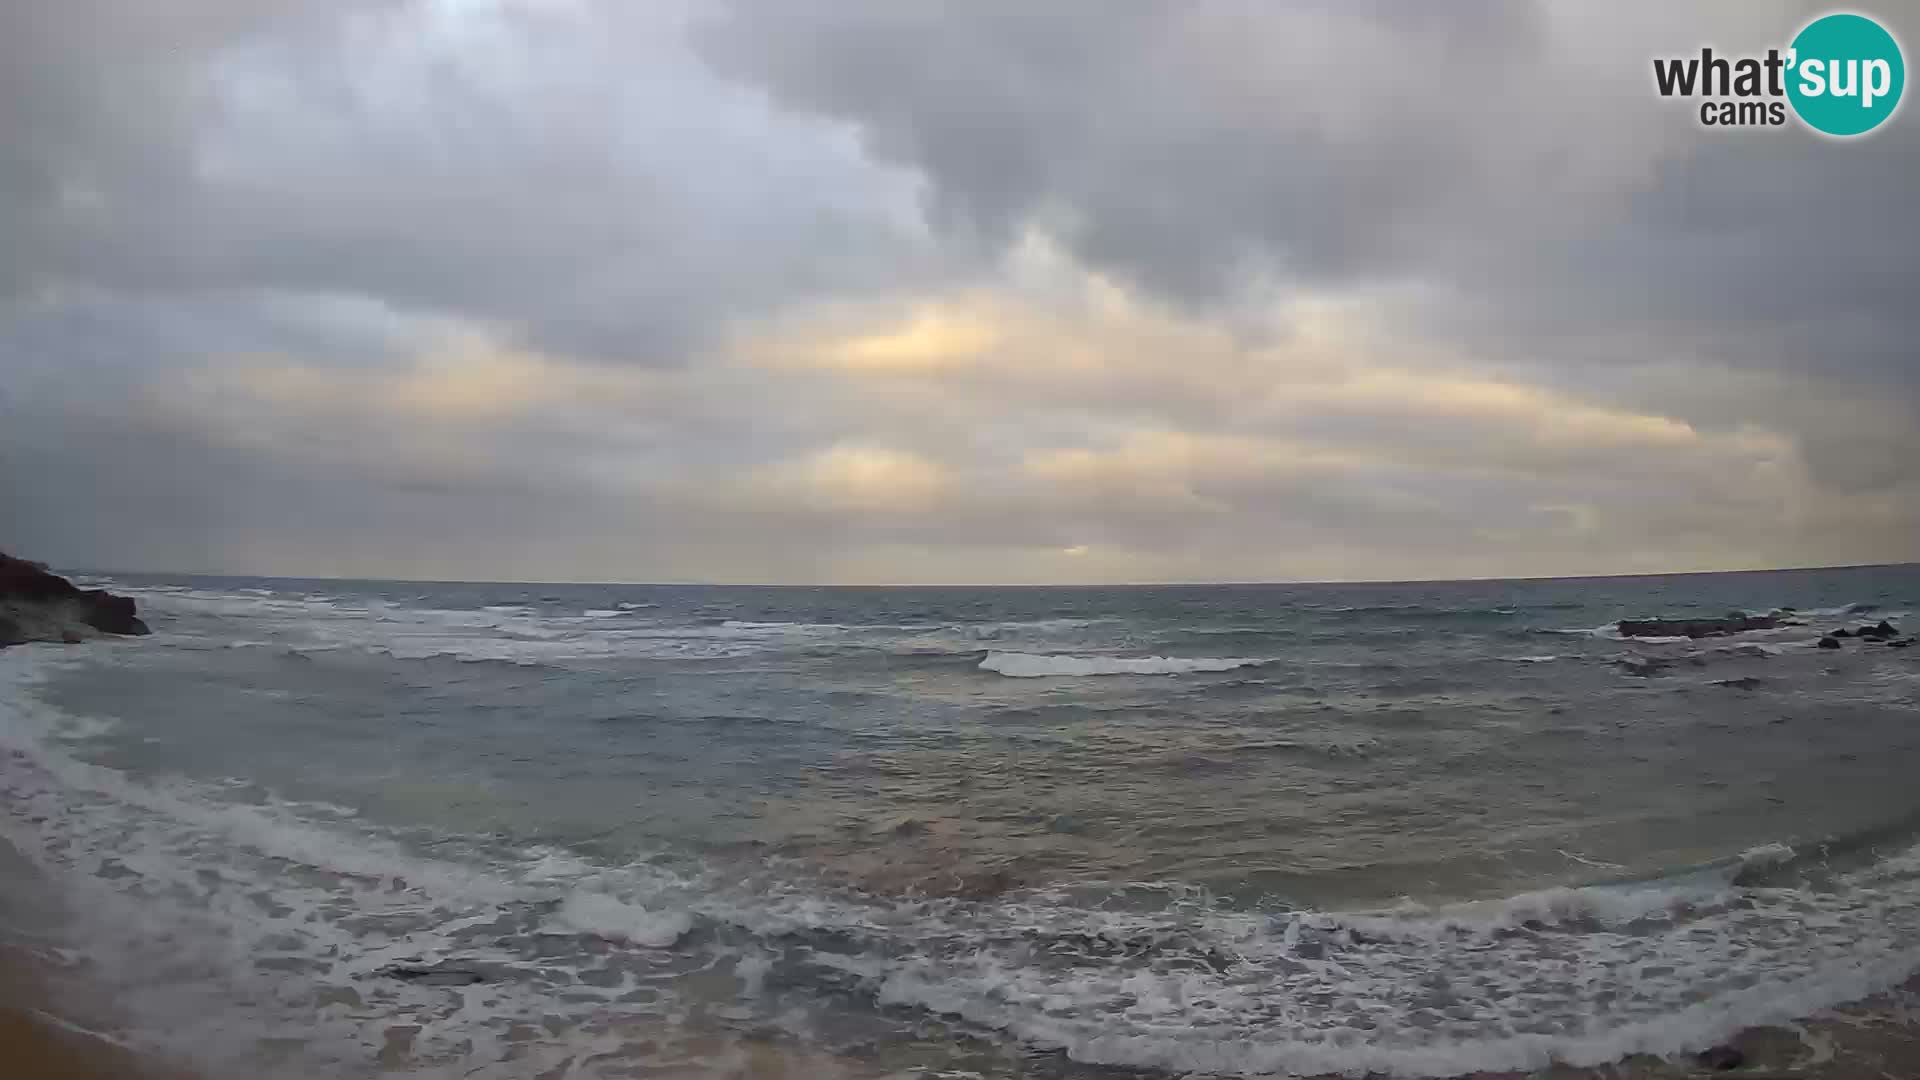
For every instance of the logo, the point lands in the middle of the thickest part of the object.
(1842, 75)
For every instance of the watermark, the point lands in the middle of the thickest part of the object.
(1842, 75)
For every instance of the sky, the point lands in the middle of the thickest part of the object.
(897, 291)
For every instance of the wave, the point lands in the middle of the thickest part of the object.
(603, 916)
(1664, 965)
(1034, 666)
(1416, 611)
(1356, 1048)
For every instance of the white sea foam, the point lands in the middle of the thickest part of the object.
(1612, 906)
(525, 635)
(1034, 666)
(507, 633)
(602, 915)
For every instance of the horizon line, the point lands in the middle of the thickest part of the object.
(1016, 585)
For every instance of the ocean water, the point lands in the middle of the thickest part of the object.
(678, 831)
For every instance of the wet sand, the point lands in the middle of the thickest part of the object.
(42, 1033)
(34, 1046)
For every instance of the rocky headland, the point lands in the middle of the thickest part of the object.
(39, 605)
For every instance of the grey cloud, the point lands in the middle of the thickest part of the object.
(573, 178)
(1512, 160)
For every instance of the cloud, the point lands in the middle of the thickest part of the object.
(911, 291)
(1511, 164)
(566, 175)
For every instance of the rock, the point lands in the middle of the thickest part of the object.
(110, 614)
(1842, 632)
(1829, 642)
(1735, 622)
(38, 605)
(433, 976)
(1746, 683)
(1721, 1058)
(21, 580)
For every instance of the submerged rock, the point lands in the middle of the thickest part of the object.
(433, 976)
(1745, 683)
(1829, 642)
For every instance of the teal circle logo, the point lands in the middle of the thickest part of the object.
(1845, 74)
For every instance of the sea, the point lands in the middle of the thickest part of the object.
(326, 828)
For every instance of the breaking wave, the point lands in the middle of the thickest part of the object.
(1032, 666)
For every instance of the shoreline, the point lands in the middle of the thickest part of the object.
(1875, 1038)
(47, 1031)
(38, 1039)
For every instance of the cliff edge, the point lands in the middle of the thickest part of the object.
(39, 605)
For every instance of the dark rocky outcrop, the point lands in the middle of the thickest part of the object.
(437, 975)
(39, 605)
(1880, 631)
(1829, 642)
(1734, 622)
(1721, 1058)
